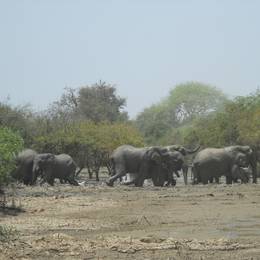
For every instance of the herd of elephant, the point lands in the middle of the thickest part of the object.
(156, 163)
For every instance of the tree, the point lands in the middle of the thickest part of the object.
(98, 102)
(19, 119)
(155, 122)
(194, 99)
(169, 120)
(248, 125)
(236, 123)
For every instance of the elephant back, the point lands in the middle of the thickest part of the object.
(65, 161)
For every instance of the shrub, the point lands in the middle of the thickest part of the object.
(10, 144)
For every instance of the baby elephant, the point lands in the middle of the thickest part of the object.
(52, 166)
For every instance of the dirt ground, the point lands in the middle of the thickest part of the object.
(94, 221)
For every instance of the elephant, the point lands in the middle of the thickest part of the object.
(216, 162)
(169, 178)
(144, 163)
(52, 166)
(24, 167)
(184, 151)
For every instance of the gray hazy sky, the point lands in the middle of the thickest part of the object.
(145, 47)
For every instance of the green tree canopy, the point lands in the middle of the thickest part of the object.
(193, 99)
(98, 102)
(164, 122)
(19, 119)
(237, 123)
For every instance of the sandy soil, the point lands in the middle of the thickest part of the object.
(99, 222)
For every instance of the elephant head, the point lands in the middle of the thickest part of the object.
(241, 159)
(170, 160)
(154, 154)
(240, 173)
(173, 161)
(251, 158)
(42, 162)
(166, 162)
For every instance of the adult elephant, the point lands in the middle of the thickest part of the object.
(184, 151)
(216, 162)
(144, 163)
(24, 167)
(52, 166)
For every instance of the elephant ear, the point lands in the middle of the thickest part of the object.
(50, 157)
(154, 154)
(242, 160)
(244, 149)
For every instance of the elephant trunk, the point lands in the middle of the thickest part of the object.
(188, 151)
(253, 163)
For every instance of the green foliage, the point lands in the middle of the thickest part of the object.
(8, 233)
(197, 113)
(155, 122)
(97, 103)
(194, 99)
(10, 144)
(100, 103)
(169, 121)
(248, 125)
(237, 123)
(18, 119)
(88, 141)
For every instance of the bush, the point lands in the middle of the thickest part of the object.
(89, 143)
(10, 144)
(7, 233)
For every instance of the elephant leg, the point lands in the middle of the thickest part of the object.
(111, 180)
(139, 182)
(177, 174)
(185, 169)
(217, 180)
(50, 181)
(130, 179)
(159, 180)
(72, 181)
(171, 180)
(239, 173)
(228, 180)
(129, 182)
(26, 182)
(205, 179)
(196, 177)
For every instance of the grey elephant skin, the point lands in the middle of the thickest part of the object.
(184, 151)
(24, 167)
(147, 162)
(169, 176)
(216, 162)
(52, 166)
